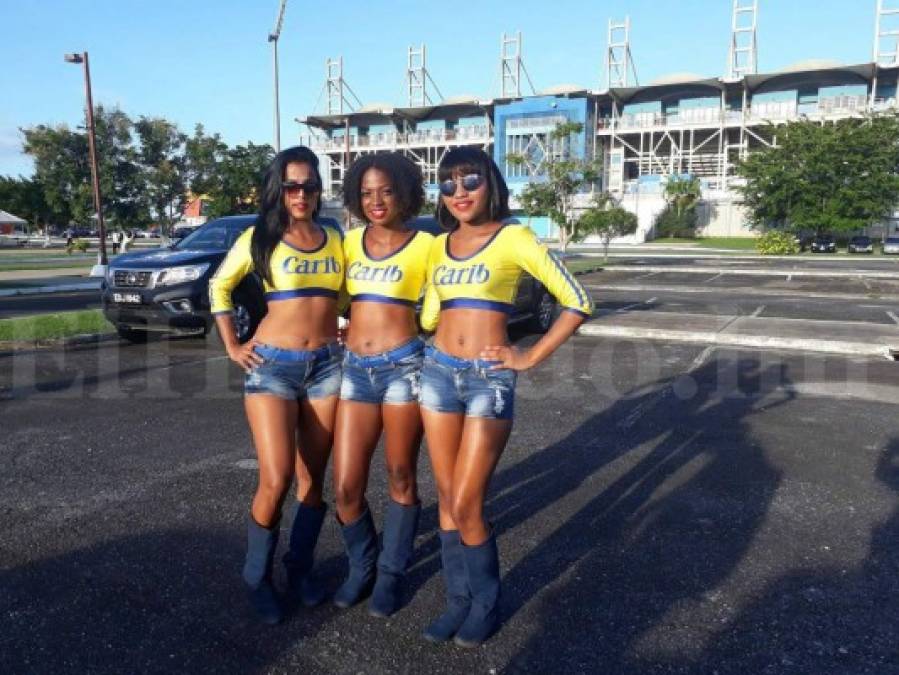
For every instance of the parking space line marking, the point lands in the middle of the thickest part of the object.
(650, 301)
(789, 277)
(758, 310)
(713, 278)
(643, 276)
(630, 306)
(893, 316)
(866, 283)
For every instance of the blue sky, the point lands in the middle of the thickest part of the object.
(201, 61)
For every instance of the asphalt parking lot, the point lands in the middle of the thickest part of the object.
(660, 509)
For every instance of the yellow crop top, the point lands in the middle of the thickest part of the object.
(296, 272)
(488, 279)
(397, 278)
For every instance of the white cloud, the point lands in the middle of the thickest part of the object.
(13, 161)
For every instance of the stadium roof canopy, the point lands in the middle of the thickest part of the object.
(864, 71)
(372, 114)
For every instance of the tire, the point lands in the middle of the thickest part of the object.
(248, 312)
(545, 313)
(137, 337)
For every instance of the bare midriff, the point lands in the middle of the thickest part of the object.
(299, 323)
(377, 327)
(465, 332)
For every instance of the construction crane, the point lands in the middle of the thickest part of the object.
(273, 38)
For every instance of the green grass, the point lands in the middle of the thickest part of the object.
(48, 265)
(731, 243)
(584, 265)
(53, 326)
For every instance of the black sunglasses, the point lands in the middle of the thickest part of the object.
(307, 187)
(469, 183)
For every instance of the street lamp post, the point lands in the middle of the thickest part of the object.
(273, 38)
(92, 146)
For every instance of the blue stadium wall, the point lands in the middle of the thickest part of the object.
(574, 110)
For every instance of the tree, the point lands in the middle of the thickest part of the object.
(840, 176)
(682, 193)
(203, 156)
(606, 221)
(558, 176)
(24, 197)
(240, 180)
(162, 162)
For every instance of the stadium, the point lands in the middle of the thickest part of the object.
(679, 125)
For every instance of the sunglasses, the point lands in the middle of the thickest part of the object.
(307, 187)
(469, 182)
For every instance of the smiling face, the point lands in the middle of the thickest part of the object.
(380, 205)
(300, 203)
(467, 205)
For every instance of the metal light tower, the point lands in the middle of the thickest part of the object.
(417, 78)
(336, 87)
(92, 147)
(886, 33)
(743, 57)
(619, 60)
(273, 38)
(511, 66)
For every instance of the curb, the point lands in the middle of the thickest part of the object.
(43, 290)
(747, 290)
(753, 271)
(12, 346)
(731, 340)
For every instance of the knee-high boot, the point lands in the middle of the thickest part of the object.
(482, 566)
(458, 601)
(396, 552)
(300, 556)
(362, 552)
(257, 571)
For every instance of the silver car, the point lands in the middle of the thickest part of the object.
(891, 246)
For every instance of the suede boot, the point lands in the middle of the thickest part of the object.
(482, 566)
(396, 552)
(257, 571)
(458, 601)
(298, 561)
(362, 552)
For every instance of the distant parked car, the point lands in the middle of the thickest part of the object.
(861, 244)
(891, 246)
(824, 243)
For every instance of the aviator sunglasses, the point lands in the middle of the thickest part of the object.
(307, 187)
(469, 183)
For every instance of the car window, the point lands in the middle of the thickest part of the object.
(893, 240)
(209, 237)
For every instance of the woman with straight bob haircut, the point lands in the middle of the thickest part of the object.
(469, 373)
(292, 367)
(385, 274)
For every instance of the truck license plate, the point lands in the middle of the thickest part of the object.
(126, 298)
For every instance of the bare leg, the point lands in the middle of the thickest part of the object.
(316, 430)
(402, 440)
(273, 423)
(357, 430)
(482, 444)
(443, 432)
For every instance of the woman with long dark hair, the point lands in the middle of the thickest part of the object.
(292, 368)
(385, 271)
(469, 373)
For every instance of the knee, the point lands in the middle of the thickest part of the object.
(466, 512)
(348, 497)
(402, 480)
(274, 486)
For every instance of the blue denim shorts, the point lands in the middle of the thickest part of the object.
(296, 374)
(451, 384)
(389, 377)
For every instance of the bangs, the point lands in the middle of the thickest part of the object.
(462, 161)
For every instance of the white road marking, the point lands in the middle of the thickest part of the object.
(650, 301)
(643, 276)
(789, 277)
(630, 306)
(893, 317)
(758, 310)
(713, 278)
(866, 283)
